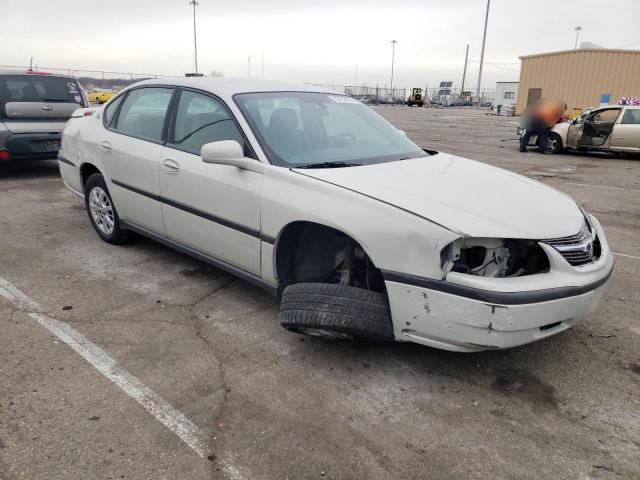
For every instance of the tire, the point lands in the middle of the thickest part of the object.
(555, 143)
(102, 213)
(336, 312)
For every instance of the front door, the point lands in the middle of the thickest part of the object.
(598, 127)
(214, 209)
(131, 151)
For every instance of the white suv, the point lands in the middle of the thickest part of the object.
(315, 197)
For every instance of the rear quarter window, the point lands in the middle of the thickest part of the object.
(111, 109)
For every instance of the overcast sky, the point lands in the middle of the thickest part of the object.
(307, 41)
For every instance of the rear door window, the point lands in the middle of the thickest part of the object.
(143, 113)
(631, 116)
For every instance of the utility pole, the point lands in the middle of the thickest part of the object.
(577, 29)
(249, 60)
(262, 64)
(464, 72)
(195, 41)
(356, 82)
(393, 57)
(484, 38)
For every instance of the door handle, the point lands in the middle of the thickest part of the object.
(105, 146)
(170, 166)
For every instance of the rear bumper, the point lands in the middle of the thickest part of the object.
(32, 146)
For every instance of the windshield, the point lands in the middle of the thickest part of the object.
(317, 129)
(39, 88)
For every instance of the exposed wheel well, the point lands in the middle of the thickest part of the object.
(311, 252)
(86, 170)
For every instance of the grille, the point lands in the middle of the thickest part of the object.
(576, 249)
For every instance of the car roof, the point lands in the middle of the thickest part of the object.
(227, 87)
(34, 73)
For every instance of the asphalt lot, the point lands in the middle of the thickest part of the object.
(270, 404)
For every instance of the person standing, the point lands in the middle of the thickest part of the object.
(538, 119)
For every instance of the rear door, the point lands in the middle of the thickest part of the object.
(130, 150)
(626, 133)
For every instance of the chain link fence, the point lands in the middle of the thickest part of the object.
(94, 78)
(436, 97)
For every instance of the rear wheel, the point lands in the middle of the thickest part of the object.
(336, 312)
(102, 212)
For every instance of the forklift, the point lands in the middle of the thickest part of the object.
(415, 98)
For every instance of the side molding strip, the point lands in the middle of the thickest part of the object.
(493, 297)
(66, 161)
(199, 213)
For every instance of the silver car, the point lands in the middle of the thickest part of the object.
(34, 107)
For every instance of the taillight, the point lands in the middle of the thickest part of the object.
(88, 114)
(4, 154)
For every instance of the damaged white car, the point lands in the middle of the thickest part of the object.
(315, 197)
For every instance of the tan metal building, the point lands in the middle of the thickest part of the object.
(579, 77)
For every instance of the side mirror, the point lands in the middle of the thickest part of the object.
(228, 152)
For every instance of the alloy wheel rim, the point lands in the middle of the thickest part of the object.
(101, 210)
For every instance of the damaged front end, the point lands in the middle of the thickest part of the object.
(494, 257)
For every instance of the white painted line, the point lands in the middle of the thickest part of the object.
(625, 255)
(174, 420)
(597, 186)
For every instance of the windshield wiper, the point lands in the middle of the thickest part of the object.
(329, 165)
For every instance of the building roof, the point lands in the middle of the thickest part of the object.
(579, 51)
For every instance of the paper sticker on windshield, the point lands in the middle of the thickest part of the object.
(344, 99)
(72, 87)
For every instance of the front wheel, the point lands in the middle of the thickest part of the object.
(334, 311)
(555, 143)
(102, 212)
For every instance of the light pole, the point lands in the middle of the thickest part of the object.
(249, 65)
(195, 41)
(464, 72)
(577, 29)
(393, 57)
(484, 38)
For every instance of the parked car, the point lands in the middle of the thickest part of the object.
(34, 107)
(96, 95)
(614, 128)
(313, 196)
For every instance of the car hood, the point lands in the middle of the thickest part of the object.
(463, 195)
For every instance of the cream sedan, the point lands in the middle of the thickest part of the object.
(613, 128)
(313, 196)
